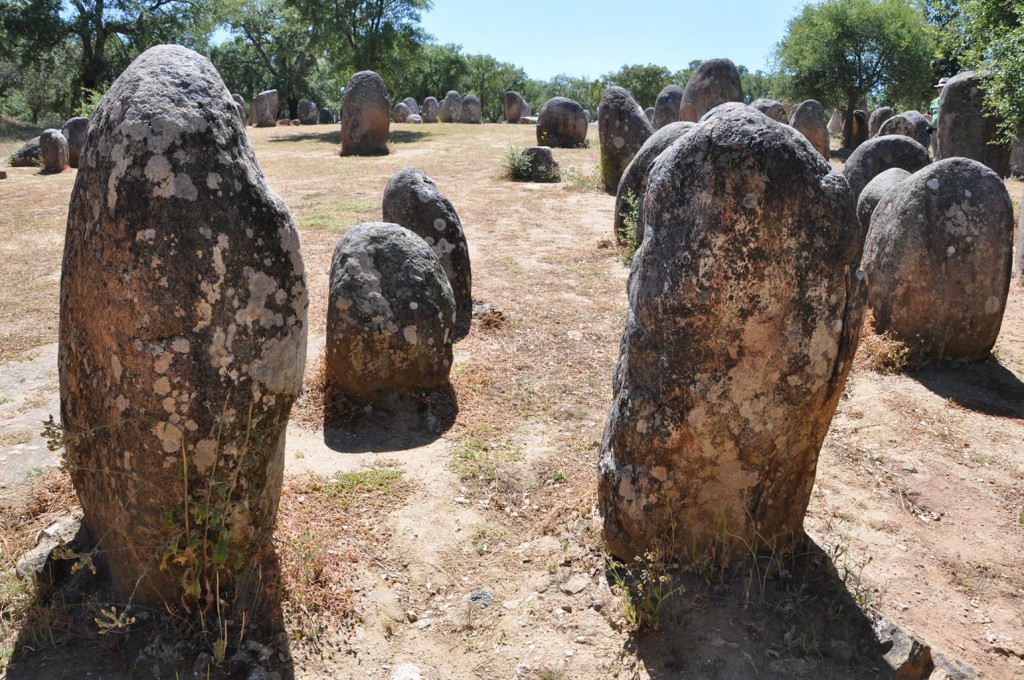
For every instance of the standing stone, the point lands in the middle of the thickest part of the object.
(938, 258)
(390, 314)
(430, 109)
(771, 108)
(879, 116)
(666, 106)
(634, 179)
(308, 112)
(29, 155)
(965, 129)
(715, 82)
(412, 200)
(622, 129)
(745, 307)
(471, 109)
(543, 166)
(176, 381)
(809, 120)
(1017, 159)
(859, 134)
(364, 118)
(589, 118)
(561, 123)
(54, 148)
(400, 113)
(240, 100)
(265, 107)
(648, 113)
(75, 130)
(414, 107)
(326, 116)
(450, 110)
(875, 191)
(515, 107)
(879, 154)
(414, 119)
(835, 123)
(903, 125)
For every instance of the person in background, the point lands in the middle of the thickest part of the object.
(933, 115)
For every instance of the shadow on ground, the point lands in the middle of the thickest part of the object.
(71, 631)
(400, 424)
(331, 136)
(986, 387)
(798, 616)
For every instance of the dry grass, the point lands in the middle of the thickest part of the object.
(883, 353)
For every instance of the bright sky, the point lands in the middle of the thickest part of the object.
(548, 37)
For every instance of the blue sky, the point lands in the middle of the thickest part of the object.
(548, 37)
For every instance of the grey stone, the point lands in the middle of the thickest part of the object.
(308, 113)
(414, 119)
(907, 125)
(430, 109)
(400, 113)
(450, 110)
(29, 155)
(875, 190)
(622, 128)
(561, 123)
(326, 116)
(771, 108)
(265, 107)
(240, 101)
(364, 119)
(748, 271)
(908, 657)
(390, 314)
(881, 153)
(879, 116)
(575, 585)
(809, 120)
(648, 113)
(715, 82)
(543, 166)
(414, 107)
(965, 129)
(54, 148)
(471, 109)
(666, 106)
(197, 343)
(75, 131)
(515, 107)
(859, 133)
(481, 597)
(412, 200)
(938, 257)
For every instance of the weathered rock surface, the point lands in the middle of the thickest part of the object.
(715, 82)
(771, 108)
(265, 107)
(809, 120)
(308, 113)
(471, 109)
(412, 200)
(450, 110)
(430, 109)
(648, 114)
(182, 328)
(745, 307)
(413, 105)
(879, 116)
(390, 314)
(859, 133)
(875, 191)
(543, 166)
(414, 119)
(364, 116)
(28, 155)
(938, 258)
(622, 128)
(634, 179)
(240, 100)
(561, 123)
(900, 125)
(882, 153)
(666, 106)
(326, 117)
(75, 131)
(515, 107)
(400, 113)
(54, 148)
(965, 130)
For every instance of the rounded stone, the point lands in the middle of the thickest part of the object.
(413, 105)
(414, 119)
(809, 119)
(965, 129)
(881, 153)
(543, 166)
(472, 110)
(450, 110)
(561, 123)
(364, 119)
(75, 131)
(54, 148)
(400, 113)
(28, 155)
(875, 191)
(176, 381)
(515, 107)
(666, 106)
(771, 108)
(390, 314)
(745, 307)
(859, 134)
(308, 113)
(326, 117)
(634, 179)
(835, 123)
(879, 116)
(413, 200)
(265, 107)
(430, 109)
(715, 82)
(938, 258)
(622, 128)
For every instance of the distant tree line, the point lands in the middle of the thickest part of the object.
(58, 56)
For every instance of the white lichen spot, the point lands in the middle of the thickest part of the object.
(443, 248)
(933, 184)
(618, 142)
(169, 436)
(660, 473)
(950, 250)
(213, 181)
(181, 345)
(191, 425)
(413, 306)
(168, 404)
(115, 364)
(204, 454)
(261, 287)
(967, 193)
(279, 368)
(162, 363)
(145, 235)
(121, 403)
(409, 333)
(440, 224)
(162, 386)
(992, 305)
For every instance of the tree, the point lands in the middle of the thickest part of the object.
(644, 82)
(490, 79)
(841, 51)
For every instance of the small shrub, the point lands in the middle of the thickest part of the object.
(90, 100)
(647, 590)
(883, 353)
(581, 182)
(517, 165)
(627, 237)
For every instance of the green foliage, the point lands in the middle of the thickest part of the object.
(647, 590)
(516, 164)
(630, 217)
(842, 51)
(90, 100)
(644, 82)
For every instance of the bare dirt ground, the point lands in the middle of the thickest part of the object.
(485, 560)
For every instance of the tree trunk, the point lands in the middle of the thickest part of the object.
(851, 106)
(293, 108)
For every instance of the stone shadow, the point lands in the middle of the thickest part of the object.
(798, 616)
(72, 628)
(986, 387)
(398, 423)
(332, 136)
(408, 136)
